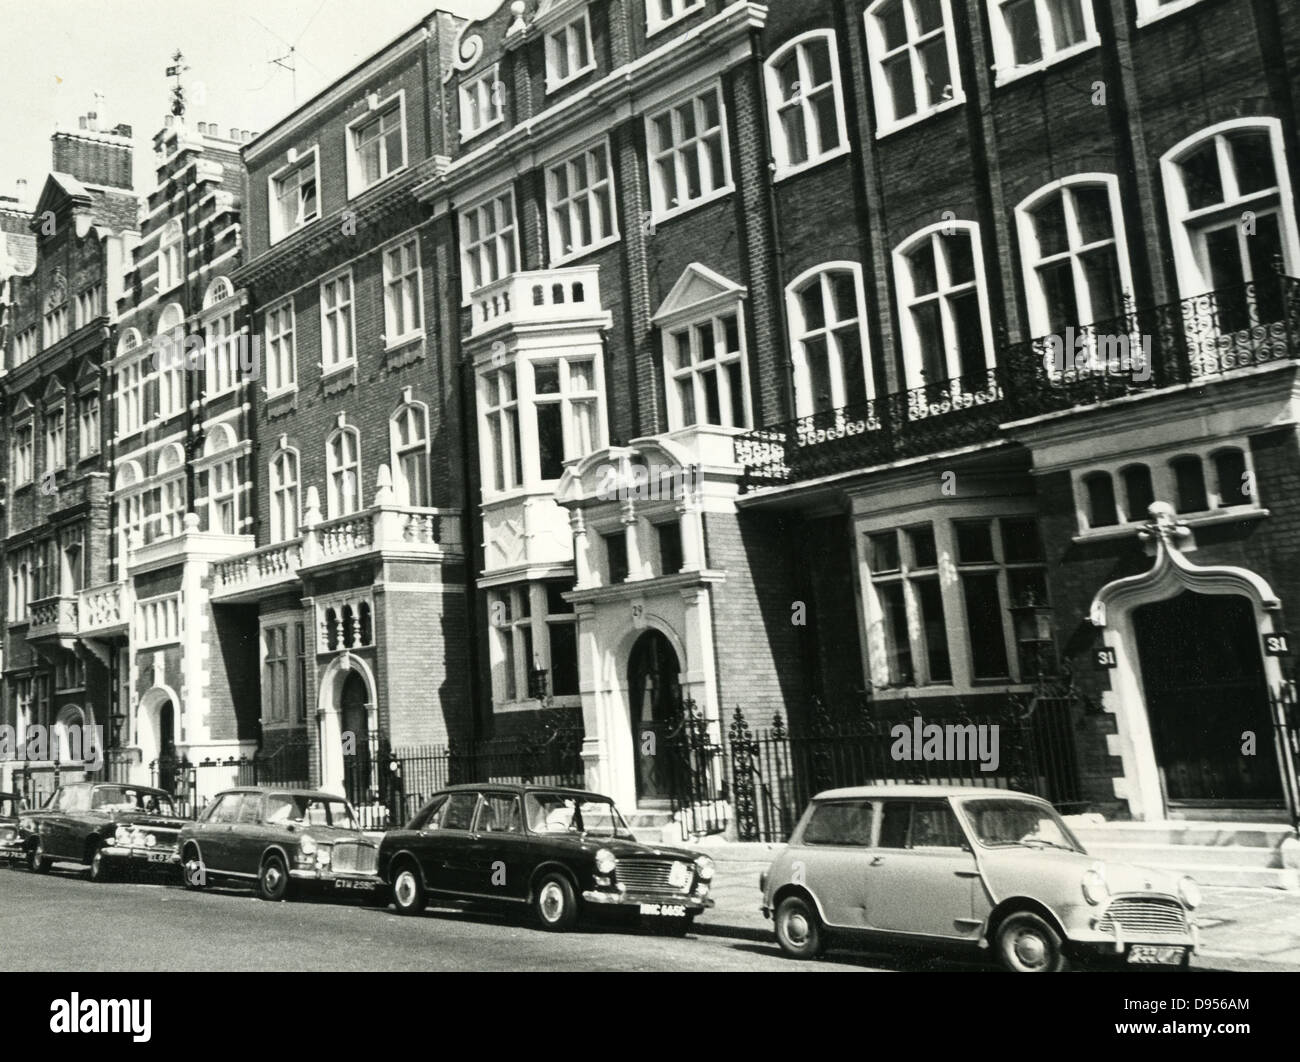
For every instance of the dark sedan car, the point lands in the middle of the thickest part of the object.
(13, 840)
(554, 850)
(280, 839)
(106, 826)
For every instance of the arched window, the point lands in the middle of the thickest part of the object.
(943, 304)
(128, 341)
(223, 482)
(170, 256)
(130, 513)
(827, 321)
(1189, 484)
(1232, 482)
(131, 376)
(1139, 494)
(1101, 499)
(285, 501)
(409, 436)
(1074, 253)
(170, 360)
(218, 291)
(170, 492)
(343, 465)
(805, 102)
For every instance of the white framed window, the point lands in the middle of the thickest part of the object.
(1231, 213)
(337, 337)
(660, 14)
(285, 496)
(25, 346)
(806, 103)
(170, 517)
(489, 241)
(707, 378)
(222, 354)
(343, 466)
(295, 195)
(533, 630)
(1074, 253)
(88, 427)
(569, 52)
(170, 345)
(580, 197)
(409, 439)
(1031, 34)
(689, 153)
(56, 325)
(90, 304)
(566, 406)
(827, 312)
(23, 456)
(377, 142)
(1151, 10)
(503, 456)
(223, 497)
(907, 596)
(158, 620)
(281, 355)
(943, 303)
(56, 438)
(480, 103)
(913, 54)
(131, 379)
(403, 304)
(171, 257)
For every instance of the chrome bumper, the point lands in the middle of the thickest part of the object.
(140, 854)
(605, 897)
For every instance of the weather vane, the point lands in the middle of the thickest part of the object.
(177, 70)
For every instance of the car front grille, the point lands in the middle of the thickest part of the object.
(1140, 916)
(352, 857)
(162, 838)
(8, 835)
(646, 875)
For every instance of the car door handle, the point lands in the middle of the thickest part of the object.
(967, 873)
(877, 861)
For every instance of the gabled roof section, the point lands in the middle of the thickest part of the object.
(110, 209)
(697, 291)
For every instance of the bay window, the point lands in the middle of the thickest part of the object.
(533, 629)
(567, 410)
(501, 413)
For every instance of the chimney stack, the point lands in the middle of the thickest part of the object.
(94, 156)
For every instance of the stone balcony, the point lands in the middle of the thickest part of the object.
(53, 620)
(543, 297)
(103, 610)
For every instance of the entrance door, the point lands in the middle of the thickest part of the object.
(167, 759)
(655, 694)
(355, 721)
(1203, 672)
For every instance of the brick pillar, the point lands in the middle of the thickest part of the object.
(636, 375)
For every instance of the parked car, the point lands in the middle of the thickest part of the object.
(13, 839)
(984, 868)
(280, 839)
(556, 851)
(106, 826)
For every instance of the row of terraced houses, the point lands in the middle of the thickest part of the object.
(615, 353)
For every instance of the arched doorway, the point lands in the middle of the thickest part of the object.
(156, 736)
(654, 695)
(354, 714)
(1205, 689)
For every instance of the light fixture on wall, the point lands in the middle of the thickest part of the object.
(1032, 621)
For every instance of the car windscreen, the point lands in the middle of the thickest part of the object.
(8, 807)
(1002, 822)
(125, 798)
(310, 811)
(561, 814)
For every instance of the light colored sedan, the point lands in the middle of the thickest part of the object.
(989, 869)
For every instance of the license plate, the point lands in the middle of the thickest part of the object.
(357, 886)
(1152, 955)
(159, 857)
(664, 910)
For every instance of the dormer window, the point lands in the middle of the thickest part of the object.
(480, 103)
(295, 195)
(569, 53)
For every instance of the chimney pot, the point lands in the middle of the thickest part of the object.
(82, 121)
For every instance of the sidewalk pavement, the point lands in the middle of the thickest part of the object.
(1256, 926)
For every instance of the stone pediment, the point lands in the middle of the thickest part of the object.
(698, 291)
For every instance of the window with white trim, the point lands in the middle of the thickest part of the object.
(806, 103)
(403, 311)
(343, 466)
(170, 494)
(23, 446)
(1150, 10)
(25, 346)
(707, 379)
(409, 437)
(223, 497)
(222, 354)
(338, 347)
(1074, 253)
(56, 440)
(171, 376)
(285, 498)
(580, 197)
(88, 427)
(534, 629)
(503, 454)
(944, 309)
(130, 396)
(281, 357)
(689, 151)
(904, 566)
(999, 566)
(569, 53)
(378, 145)
(295, 195)
(170, 256)
(480, 103)
(90, 304)
(661, 13)
(829, 340)
(913, 53)
(56, 325)
(490, 248)
(566, 403)
(1031, 34)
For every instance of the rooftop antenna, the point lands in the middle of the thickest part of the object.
(288, 63)
(177, 71)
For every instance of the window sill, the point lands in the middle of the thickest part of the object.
(1006, 77)
(281, 237)
(892, 127)
(555, 86)
(660, 217)
(466, 137)
(786, 172)
(651, 28)
(339, 378)
(1164, 12)
(407, 340)
(569, 257)
(284, 392)
(375, 184)
(1210, 518)
(326, 371)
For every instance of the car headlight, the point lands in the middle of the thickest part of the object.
(307, 846)
(323, 855)
(605, 861)
(1095, 889)
(1189, 892)
(150, 840)
(122, 836)
(27, 825)
(704, 868)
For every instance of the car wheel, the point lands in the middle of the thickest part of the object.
(193, 873)
(37, 860)
(99, 871)
(554, 904)
(408, 891)
(798, 929)
(1027, 944)
(273, 881)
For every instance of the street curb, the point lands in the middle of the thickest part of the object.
(732, 932)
